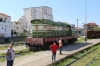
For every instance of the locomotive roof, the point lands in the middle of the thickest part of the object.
(45, 21)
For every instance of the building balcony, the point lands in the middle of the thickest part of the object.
(3, 32)
(5, 23)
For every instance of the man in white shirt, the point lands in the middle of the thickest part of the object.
(60, 46)
(10, 55)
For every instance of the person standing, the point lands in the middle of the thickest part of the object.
(60, 46)
(54, 48)
(10, 55)
(24, 42)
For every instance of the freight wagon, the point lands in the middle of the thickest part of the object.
(93, 34)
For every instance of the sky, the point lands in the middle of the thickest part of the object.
(63, 10)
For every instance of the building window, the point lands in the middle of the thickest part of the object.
(5, 29)
(4, 20)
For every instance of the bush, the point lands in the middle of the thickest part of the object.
(22, 34)
(12, 42)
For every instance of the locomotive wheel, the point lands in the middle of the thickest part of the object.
(30, 48)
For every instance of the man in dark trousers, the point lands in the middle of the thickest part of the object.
(54, 48)
(10, 56)
(60, 46)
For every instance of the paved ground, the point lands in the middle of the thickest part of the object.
(44, 58)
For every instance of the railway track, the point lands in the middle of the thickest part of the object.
(88, 64)
(69, 64)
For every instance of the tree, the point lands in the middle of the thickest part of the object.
(24, 30)
(96, 28)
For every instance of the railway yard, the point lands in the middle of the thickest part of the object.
(43, 58)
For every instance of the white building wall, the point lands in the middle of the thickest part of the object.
(19, 28)
(5, 25)
(38, 13)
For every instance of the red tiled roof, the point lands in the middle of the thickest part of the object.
(4, 14)
(92, 24)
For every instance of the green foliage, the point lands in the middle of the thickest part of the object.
(24, 30)
(96, 28)
(22, 34)
(12, 42)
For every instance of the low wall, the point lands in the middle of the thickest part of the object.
(1, 39)
(14, 39)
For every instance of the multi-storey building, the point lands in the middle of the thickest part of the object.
(17, 27)
(5, 25)
(42, 12)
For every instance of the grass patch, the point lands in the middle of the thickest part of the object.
(2, 54)
(81, 40)
(96, 62)
(20, 53)
(86, 59)
(6, 46)
(2, 59)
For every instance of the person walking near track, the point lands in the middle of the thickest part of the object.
(54, 48)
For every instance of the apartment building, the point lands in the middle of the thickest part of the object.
(5, 25)
(42, 12)
(17, 27)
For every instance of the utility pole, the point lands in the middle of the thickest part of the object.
(86, 21)
(77, 27)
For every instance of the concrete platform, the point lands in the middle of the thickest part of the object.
(43, 58)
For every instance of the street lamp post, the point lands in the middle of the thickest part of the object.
(86, 21)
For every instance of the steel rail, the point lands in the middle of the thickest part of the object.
(81, 56)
